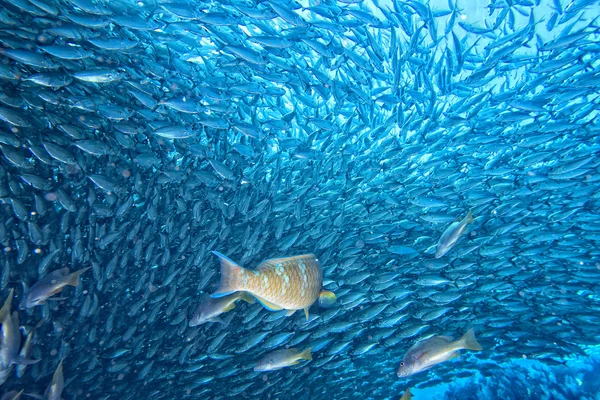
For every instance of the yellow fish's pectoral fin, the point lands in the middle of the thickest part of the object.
(290, 313)
(306, 313)
(229, 307)
(326, 298)
(295, 362)
(268, 305)
(455, 355)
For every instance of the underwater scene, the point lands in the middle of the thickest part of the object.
(300, 199)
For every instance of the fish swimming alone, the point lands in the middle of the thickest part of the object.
(210, 309)
(451, 235)
(290, 283)
(279, 359)
(50, 285)
(427, 353)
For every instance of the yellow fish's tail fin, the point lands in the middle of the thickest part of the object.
(469, 342)
(326, 298)
(306, 354)
(469, 218)
(230, 276)
(73, 279)
(245, 296)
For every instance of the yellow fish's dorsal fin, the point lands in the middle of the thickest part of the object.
(275, 261)
(268, 305)
(306, 313)
(290, 312)
(446, 338)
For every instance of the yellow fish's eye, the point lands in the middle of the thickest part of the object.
(326, 298)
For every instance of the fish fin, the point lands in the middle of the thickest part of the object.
(57, 298)
(326, 298)
(469, 342)
(73, 279)
(229, 307)
(274, 261)
(268, 305)
(245, 296)
(446, 338)
(5, 311)
(407, 395)
(469, 218)
(34, 395)
(24, 361)
(306, 313)
(290, 313)
(306, 354)
(230, 276)
(454, 355)
(217, 319)
(295, 362)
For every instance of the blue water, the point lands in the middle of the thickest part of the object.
(138, 137)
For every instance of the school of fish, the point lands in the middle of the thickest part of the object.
(367, 176)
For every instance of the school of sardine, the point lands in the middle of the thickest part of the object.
(401, 194)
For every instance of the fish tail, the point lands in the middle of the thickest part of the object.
(469, 342)
(326, 298)
(230, 276)
(245, 296)
(73, 279)
(469, 218)
(306, 354)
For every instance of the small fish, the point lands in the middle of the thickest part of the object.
(427, 353)
(210, 309)
(279, 359)
(451, 235)
(291, 283)
(50, 285)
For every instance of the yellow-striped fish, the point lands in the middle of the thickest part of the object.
(291, 283)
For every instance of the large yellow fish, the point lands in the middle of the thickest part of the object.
(291, 283)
